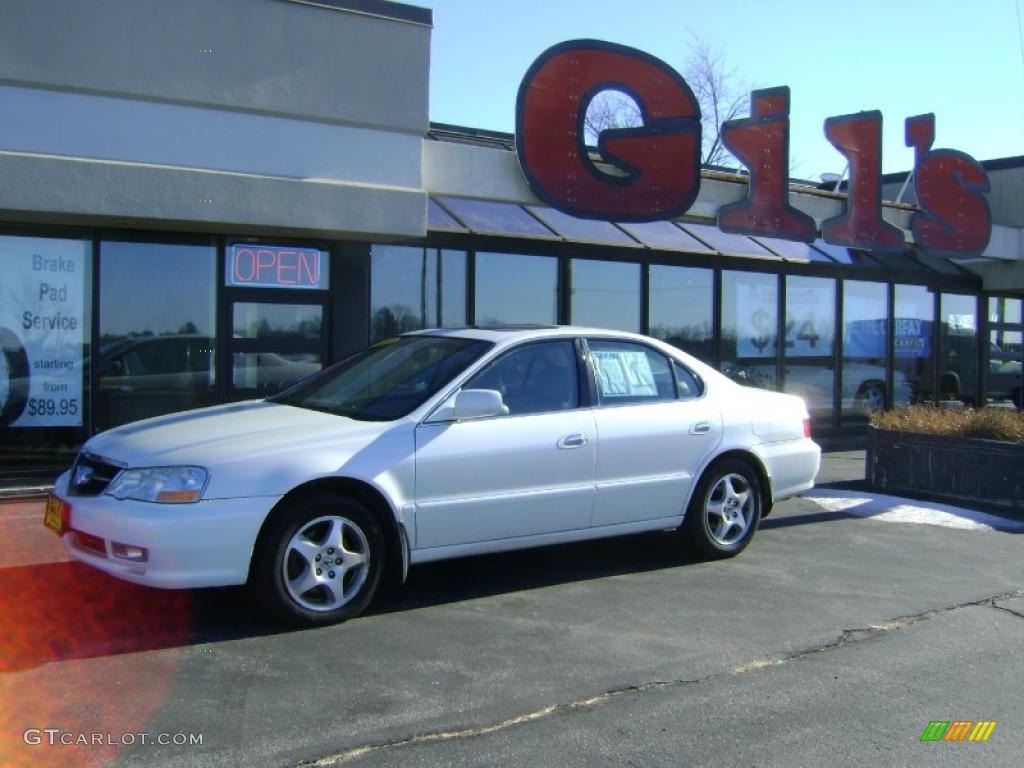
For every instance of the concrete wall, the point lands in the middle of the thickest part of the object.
(236, 114)
(1007, 196)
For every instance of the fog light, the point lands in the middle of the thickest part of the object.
(129, 552)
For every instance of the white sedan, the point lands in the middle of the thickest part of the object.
(434, 445)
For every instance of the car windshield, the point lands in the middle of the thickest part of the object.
(388, 380)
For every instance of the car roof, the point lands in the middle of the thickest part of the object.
(503, 334)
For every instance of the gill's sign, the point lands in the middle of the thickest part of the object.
(657, 165)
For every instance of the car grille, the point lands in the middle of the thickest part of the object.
(91, 475)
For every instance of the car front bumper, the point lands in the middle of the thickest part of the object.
(205, 544)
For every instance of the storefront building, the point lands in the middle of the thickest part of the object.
(204, 202)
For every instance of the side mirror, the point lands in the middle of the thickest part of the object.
(478, 404)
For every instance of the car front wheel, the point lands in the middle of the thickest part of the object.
(724, 511)
(320, 561)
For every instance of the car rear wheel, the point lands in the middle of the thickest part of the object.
(724, 511)
(319, 561)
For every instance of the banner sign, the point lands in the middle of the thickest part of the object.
(866, 338)
(42, 331)
(756, 310)
(809, 320)
(652, 172)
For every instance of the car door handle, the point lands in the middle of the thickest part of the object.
(700, 428)
(573, 441)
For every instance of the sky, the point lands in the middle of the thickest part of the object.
(960, 59)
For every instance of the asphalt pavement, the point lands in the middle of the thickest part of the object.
(836, 638)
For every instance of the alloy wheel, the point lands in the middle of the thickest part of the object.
(326, 563)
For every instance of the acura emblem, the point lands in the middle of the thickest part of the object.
(82, 476)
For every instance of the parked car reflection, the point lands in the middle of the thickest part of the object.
(863, 385)
(1004, 375)
(146, 376)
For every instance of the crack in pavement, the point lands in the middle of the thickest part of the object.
(846, 637)
(1018, 614)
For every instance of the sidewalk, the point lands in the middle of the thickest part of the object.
(841, 487)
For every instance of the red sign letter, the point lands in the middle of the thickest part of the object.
(761, 142)
(659, 163)
(859, 137)
(239, 278)
(954, 219)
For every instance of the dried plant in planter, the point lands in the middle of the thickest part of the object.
(990, 424)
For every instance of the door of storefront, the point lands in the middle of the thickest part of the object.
(275, 317)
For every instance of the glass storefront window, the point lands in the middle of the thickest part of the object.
(511, 288)
(1003, 310)
(155, 351)
(277, 321)
(810, 343)
(865, 341)
(1003, 356)
(1004, 367)
(606, 294)
(680, 308)
(413, 288)
(271, 372)
(914, 322)
(958, 348)
(749, 343)
(45, 330)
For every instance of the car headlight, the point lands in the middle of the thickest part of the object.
(166, 485)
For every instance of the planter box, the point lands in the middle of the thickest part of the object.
(955, 468)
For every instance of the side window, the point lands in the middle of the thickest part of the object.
(630, 373)
(535, 378)
(688, 384)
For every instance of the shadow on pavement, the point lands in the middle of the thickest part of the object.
(62, 611)
(804, 519)
(470, 578)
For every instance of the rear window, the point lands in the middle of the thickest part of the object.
(630, 373)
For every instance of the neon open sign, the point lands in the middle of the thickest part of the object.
(275, 266)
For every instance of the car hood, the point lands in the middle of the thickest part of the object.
(228, 434)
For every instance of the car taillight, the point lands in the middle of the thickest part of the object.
(807, 427)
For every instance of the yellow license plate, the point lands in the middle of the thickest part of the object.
(57, 515)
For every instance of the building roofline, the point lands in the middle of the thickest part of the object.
(385, 9)
(996, 164)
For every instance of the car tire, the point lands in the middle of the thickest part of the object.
(724, 511)
(318, 561)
